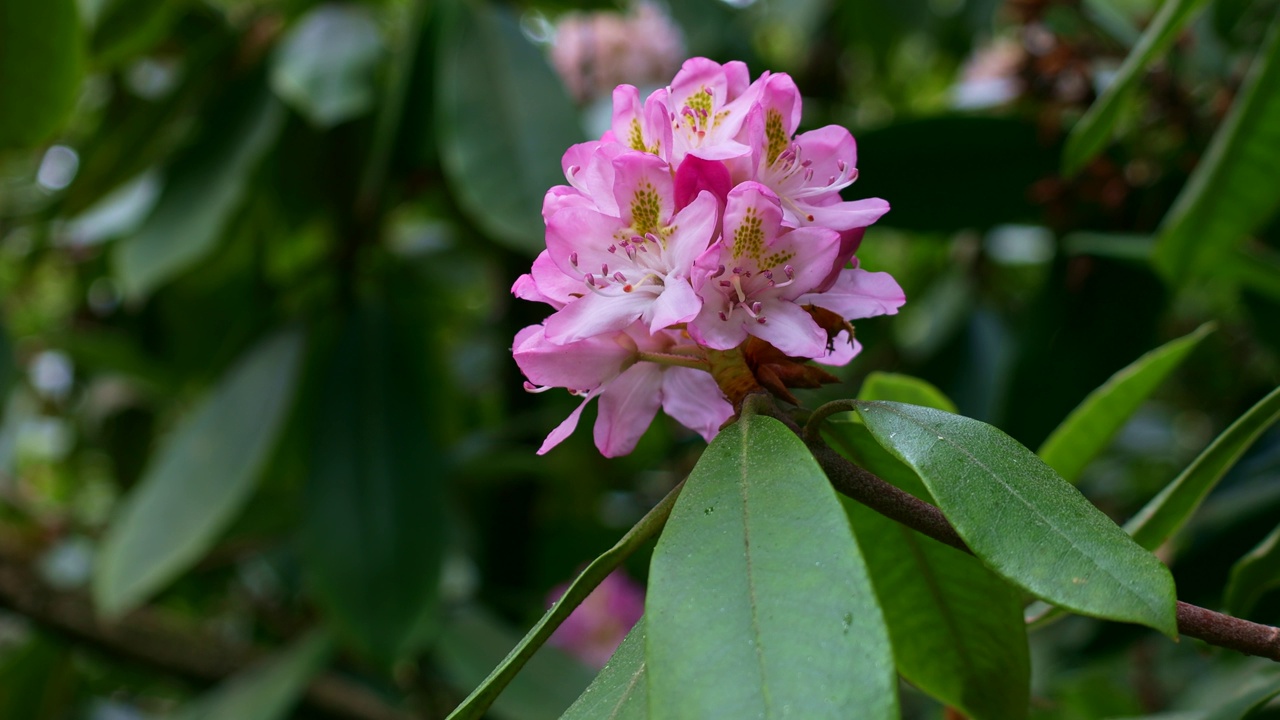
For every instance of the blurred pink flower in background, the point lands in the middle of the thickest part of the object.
(596, 628)
(596, 51)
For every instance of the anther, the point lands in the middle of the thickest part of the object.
(790, 271)
(573, 259)
(760, 320)
(619, 277)
(591, 281)
(719, 271)
(723, 316)
(613, 248)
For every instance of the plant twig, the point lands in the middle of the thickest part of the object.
(157, 640)
(864, 486)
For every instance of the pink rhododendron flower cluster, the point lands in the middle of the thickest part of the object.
(699, 220)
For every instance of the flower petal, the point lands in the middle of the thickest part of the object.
(566, 428)
(790, 329)
(858, 293)
(627, 408)
(678, 303)
(695, 230)
(594, 314)
(644, 190)
(580, 365)
(695, 401)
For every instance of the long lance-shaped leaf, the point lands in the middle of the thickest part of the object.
(620, 691)
(1092, 132)
(1232, 190)
(265, 691)
(1166, 513)
(956, 627)
(759, 603)
(1253, 574)
(1026, 523)
(1090, 427)
(201, 476)
(483, 696)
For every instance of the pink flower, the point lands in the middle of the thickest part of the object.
(708, 103)
(630, 392)
(595, 629)
(750, 280)
(631, 255)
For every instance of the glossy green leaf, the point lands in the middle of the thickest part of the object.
(472, 642)
(620, 691)
(373, 515)
(266, 690)
(1253, 575)
(1092, 132)
(957, 629)
(1166, 513)
(1090, 427)
(324, 67)
(503, 120)
(895, 387)
(199, 477)
(41, 63)
(203, 189)
(1013, 511)
(1232, 190)
(745, 616)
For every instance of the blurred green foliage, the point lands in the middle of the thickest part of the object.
(255, 326)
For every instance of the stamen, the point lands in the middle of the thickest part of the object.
(591, 281)
(604, 269)
(619, 277)
(573, 259)
(760, 320)
(724, 317)
(719, 271)
(613, 248)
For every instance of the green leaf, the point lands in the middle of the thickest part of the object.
(266, 690)
(324, 67)
(1253, 575)
(1231, 191)
(503, 120)
(373, 515)
(1089, 428)
(1166, 513)
(203, 189)
(956, 628)
(1261, 689)
(1013, 511)
(1092, 132)
(759, 603)
(472, 642)
(505, 672)
(620, 691)
(198, 479)
(904, 388)
(41, 63)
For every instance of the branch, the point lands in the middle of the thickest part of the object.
(864, 486)
(154, 639)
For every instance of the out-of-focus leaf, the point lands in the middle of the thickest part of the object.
(199, 478)
(471, 643)
(1259, 692)
(503, 120)
(373, 515)
(907, 164)
(745, 617)
(895, 387)
(1166, 513)
(1092, 132)
(1090, 427)
(38, 681)
(1253, 575)
(324, 67)
(41, 63)
(8, 371)
(126, 28)
(265, 691)
(1012, 510)
(1232, 190)
(620, 691)
(202, 190)
(957, 629)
